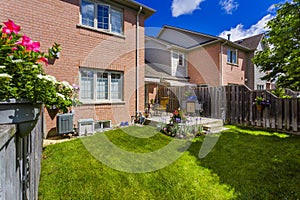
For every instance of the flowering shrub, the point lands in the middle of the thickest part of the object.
(177, 117)
(22, 75)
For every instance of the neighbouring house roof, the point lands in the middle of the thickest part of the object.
(251, 42)
(147, 11)
(209, 39)
(165, 43)
(187, 31)
(156, 71)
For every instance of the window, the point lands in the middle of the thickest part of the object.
(232, 56)
(101, 16)
(260, 87)
(179, 58)
(101, 86)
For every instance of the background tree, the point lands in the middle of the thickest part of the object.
(281, 57)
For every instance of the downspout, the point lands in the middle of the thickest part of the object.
(137, 59)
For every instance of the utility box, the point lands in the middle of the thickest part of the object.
(191, 104)
(64, 123)
(85, 127)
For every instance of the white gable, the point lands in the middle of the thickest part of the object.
(183, 39)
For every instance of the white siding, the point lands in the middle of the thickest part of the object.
(257, 74)
(182, 39)
(177, 70)
(158, 54)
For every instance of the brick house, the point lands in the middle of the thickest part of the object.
(253, 73)
(183, 57)
(102, 50)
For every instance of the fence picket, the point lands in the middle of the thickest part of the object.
(294, 112)
(286, 114)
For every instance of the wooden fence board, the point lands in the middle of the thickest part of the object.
(280, 114)
(20, 161)
(294, 113)
(286, 114)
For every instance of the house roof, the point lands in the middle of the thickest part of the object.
(187, 31)
(156, 71)
(250, 42)
(209, 39)
(147, 11)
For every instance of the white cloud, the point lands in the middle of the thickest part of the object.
(181, 7)
(239, 32)
(272, 8)
(229, 5)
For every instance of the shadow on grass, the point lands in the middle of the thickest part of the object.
(257, 164)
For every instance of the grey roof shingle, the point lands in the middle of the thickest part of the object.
(250, 42)
(156, 71)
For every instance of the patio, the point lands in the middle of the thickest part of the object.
(209, 124)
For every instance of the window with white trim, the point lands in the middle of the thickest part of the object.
(232, 56)
(179, 58)
(101, 16)
(260, 87)
(101, 86)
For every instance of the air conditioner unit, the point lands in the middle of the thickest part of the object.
(64, 123)
(85, 127)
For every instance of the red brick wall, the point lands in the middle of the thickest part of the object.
(50, 21)
(234, 74)
(204, 65)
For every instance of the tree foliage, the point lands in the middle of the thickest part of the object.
(281, 57)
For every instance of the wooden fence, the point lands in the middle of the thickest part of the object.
(234, 104)
(20, 162)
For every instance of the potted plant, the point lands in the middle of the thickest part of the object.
(53, 53)
(24, 86)
(261, 103)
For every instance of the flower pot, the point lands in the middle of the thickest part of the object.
(259, 107)
(52, 112)
(21, 112)
(51, 61)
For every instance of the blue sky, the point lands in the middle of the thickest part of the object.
(242, 18)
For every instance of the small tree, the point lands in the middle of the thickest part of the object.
(281, 57)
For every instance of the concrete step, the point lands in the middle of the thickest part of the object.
(213, 122)
(213, 128)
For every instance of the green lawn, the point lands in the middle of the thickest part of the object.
(244, 164)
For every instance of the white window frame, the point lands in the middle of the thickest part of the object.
(94, 86)
(230, 59)
(95, 24)
(178, 55)
(260, 87)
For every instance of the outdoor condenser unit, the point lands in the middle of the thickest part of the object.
(64, 123)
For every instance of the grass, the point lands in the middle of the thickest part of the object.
(244, 164)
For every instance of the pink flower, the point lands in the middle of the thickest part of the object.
(29, 45)
(75, 87)
(42, 59)
(35, 46)
(11, 27)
